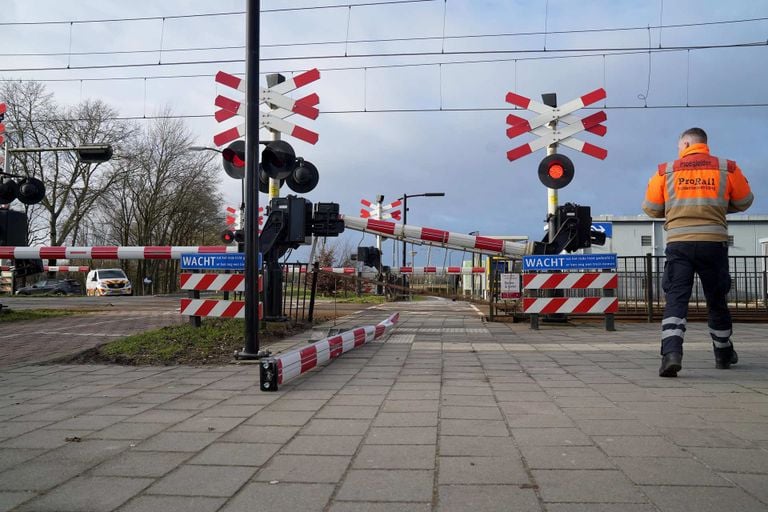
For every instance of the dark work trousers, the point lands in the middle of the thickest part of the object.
(710, 261)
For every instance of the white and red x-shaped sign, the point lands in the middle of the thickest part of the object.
(380, 212)
(560, 134)
(275, 97)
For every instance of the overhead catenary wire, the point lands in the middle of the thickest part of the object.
(753, 44)
(423, 110)
(443, 37)
(212, 14)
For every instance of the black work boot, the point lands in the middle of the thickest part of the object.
(671, 363)
(724, 358)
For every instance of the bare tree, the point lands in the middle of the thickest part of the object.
(163, 195)
(72, 187)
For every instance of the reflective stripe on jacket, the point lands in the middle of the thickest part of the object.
(694, 193)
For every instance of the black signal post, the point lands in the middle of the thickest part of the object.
(252, 259)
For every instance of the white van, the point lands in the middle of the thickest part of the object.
(107, 281)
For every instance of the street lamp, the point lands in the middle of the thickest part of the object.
(405, 212)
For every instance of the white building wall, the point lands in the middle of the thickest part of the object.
(750, 232)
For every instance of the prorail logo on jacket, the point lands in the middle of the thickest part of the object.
(707, 182)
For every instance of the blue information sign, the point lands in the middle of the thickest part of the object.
(213, 261)
(604, 227)
(570, 262)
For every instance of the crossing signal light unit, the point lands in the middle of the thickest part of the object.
(233, 157)
(27, 190)
(95, 153)
(279, 161)
(230, 236)
(556, 171)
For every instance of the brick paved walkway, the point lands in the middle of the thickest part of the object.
(449, 414)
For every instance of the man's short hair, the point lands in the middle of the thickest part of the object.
(697, 135)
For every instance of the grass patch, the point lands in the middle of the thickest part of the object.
(13, 315)
(214, 342)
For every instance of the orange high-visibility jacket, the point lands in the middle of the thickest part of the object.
(694, 193)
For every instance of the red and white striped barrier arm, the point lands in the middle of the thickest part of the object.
(479, 244)
(65, 268)
(439, 270)
(585, 305)
(112, 252)
(278, 370)
(214, 308)
(213, 282)
(605, 280)
(407, 270)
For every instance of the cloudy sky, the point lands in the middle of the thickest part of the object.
(412, 92)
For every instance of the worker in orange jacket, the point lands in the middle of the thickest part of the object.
(694, 193)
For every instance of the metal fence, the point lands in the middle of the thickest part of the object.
(640, 290)
(640, 287)
(297, 282)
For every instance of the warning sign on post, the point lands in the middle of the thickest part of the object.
(510, 286)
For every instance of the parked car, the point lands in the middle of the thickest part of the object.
(107, 281)
(53, 287)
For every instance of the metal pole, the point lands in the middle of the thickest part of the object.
(405, 221)
(252, 257)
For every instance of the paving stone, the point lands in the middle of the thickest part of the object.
(38, 476)
(256, 434)
(161, 416)
(470, 413)
(367, 506)
(280, 418)
(347, 412)
(481, 470)
(320, 427)
(285, 404)
(386, 485)
(753, 484)
(706, 437)
(206, 423)
(395, 457)
(550, 437)
(402, 435)
(733, 460)
(599, 507)
(478, 446)
(304, 468)
(486, 498)
(357, 400)
(586, 486)
(565, 457)
(140, 464)
(236, 454)
(125, 430)
(451, 427)
(191, 480)
(13, 456)
(426, 406)
(178, 442)
(173, 504)
(42, 439)
(9, 500)
(92, 493)
(322, 445)
(668, 471)
(702, 499)
(290, 497)
(638, 446)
